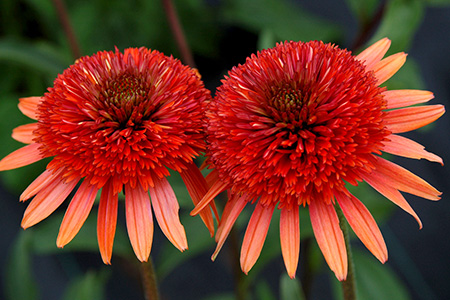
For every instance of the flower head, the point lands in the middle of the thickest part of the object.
(115, 121)
(293, 125)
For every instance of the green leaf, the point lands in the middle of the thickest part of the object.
(267, 39)
(374, 280)
(400, 22)
(408, 77)
(19, 281)
(263, 291)
(285, 19)
(290, 288)
(87, 287)
(363, 10)
(227, 296)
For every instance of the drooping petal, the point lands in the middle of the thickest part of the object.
(165, 207)
(255, 235)
(403, 98)
(76, 213)
(29, 105)
(363, 224)
(24, 133)
(325, 224)
(411, 118)
(374, 53)
(39, 183)
(21, 157)
(290, 239)
(405, 147)
(387, 67)
(217, 188)
(405, 181)
(139, 221)
(106, 221)
(232, 210)
(197, 188)
(47, 200)
(377, 181)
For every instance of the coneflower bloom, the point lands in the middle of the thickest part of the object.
(293, 125)
(116, 122)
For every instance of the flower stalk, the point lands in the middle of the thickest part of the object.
(67, 27)
(149, 280)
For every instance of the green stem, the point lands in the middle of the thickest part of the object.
(67, 27)
(149, 280)
(348, 285)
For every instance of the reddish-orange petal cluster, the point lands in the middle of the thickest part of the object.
(116, 121)
(293, 125)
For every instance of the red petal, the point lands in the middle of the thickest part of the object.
(139, 221)
(21, 157)
(24, 133)
(405, 147)
(230, 213)
(76, 213)
(387, 67)
(165, 206)
(217, 188)
(411, 118)
(290, 239)
(329, 236)
(363, 224)
(255, 235)
(106, 222)
(403, 98)
(374, 53)
(39, 183)
(46, 201)
(29, 106)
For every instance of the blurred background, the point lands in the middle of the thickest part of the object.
(34, 48)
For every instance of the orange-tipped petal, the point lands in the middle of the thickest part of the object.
(29, 105)
(197, 188)
(165, 206)
(107, 221)
(139, 221)
(387, 67)
(46, 201)
(24, 133)
(378, 182)
(217, 188)
(403, 98)
(405, 181)
(255, 235)
(290, 239)
(39, 183)
(405, 147)
(230, 213)
(374, 53)
(411, 118)
(76, 213)
(325, 224)
(21, 157)
(363, 224)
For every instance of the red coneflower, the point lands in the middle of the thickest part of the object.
(115, 121)
(293, 125)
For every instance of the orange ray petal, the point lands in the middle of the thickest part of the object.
(107, 221)
(363, 224)
(165, 206)
(29, 105)
(403, 98)
(47, 201)
(411, 118)
(387, 67)
(378, 183)
(290, 239)
(217, 188)
(24, 133)
(255, 235)
(374, 53)
(139, 221)
(405, 181)
(405, 147)
(330, 239)
(39, 183)
(21, 157)
(77, 213)
(197, 188)
(230, 213)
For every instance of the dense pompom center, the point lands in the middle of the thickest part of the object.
(296, 122)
